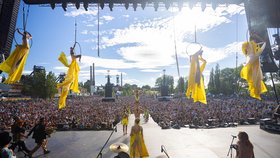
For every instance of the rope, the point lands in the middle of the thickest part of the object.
(76, 39)
(175, 46)
(25, 18)
(98, 38)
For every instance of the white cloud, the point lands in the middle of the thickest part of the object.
(85, 32)
(107, 18)
(213, 55)
(27, 72)
(150, 70)
(132, 81)
(152, 42)
(80, 11)
(126, 16)
(111, 72)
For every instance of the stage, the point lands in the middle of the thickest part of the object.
(183, 143)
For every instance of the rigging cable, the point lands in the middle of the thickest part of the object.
(98, 18)
(175, 46)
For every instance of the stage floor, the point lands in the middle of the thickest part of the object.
(183, 143)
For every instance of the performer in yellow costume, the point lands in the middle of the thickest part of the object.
(71, 78)
(125, 120)
(252, 72)
(137, 144)
(15, 63)
(196, 88)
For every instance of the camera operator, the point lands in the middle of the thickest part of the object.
(244, 148)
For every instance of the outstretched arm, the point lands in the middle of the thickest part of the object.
(262, 48)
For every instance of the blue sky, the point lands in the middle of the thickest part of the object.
(139, 44)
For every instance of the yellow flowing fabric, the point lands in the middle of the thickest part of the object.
(144, 150)
(70, 81)
(252, 72)
(196, 88)
(14, 65)
(125, 121)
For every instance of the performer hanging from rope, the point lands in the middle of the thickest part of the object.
(15, 63)
(196, 88)
(251, 71)
(71, 78)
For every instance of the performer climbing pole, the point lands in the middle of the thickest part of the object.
(14, 64)
(251, 71)
(196, 88)
(71, 79)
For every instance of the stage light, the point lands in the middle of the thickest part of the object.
(143, 5)
(191, 4)
(52, 5)
(203, 6)
(156, 6)
(167, 5)
(111, 5)
(64, 6)
(214, 6)
(85, 5)
(134, 6)
(102, 5)
(180, 5)
(77, 4)
(126, 5)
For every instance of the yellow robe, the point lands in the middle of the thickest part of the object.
(14, 65)
(252, 72)
(125, 121)
(70, 81)
(196, 88)
(133, 139)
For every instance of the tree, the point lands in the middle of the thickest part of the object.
(211, 84)
(181, 85)
(127, 89)
(51, 85)
(86, 85)
(39, 85)
(217, 81)
(169, 80)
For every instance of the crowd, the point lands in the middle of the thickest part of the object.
(91, 113)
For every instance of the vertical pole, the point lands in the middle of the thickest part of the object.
(121, 80)
(93, 74)
(98, 29)
(275, 92)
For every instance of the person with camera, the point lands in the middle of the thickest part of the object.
(39, 134)
(5, 152)
(244, 148)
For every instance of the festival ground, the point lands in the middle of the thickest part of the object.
(183, 143)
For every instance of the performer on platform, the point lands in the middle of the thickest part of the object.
(244, 148)
(14, 65)
(125, 120)
(137, 109)
(196, 88)
(137, 144)
(251, 71)
(71, 78)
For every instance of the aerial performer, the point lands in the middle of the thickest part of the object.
(137, 143)
(196, 88)
(71, 79)
(15, 63)
(251, 71)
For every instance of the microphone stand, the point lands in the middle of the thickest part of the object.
(164, 150)
(230, 147)
(100, 152)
